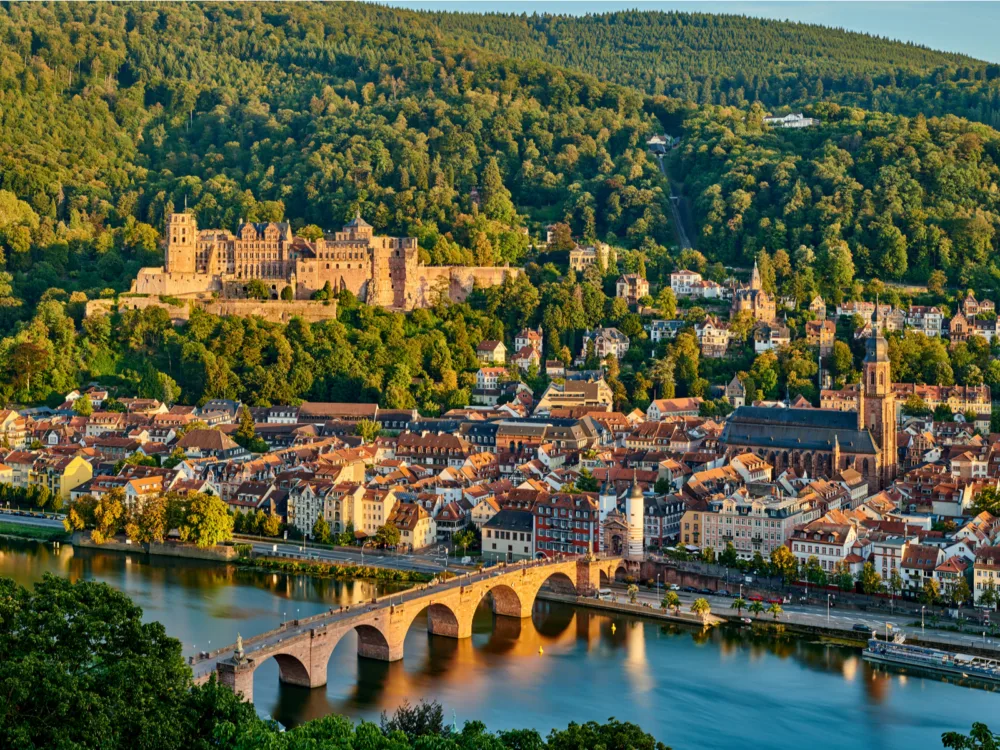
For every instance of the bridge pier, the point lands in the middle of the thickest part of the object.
(237, 676)
(442, 621)
(380, 650)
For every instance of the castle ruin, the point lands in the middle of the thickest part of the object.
(383, 271)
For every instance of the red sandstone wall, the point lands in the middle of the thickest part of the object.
(459, 279)
(276, 311)
(156, 281)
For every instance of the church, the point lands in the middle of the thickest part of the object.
(823, 442)
(754, 300)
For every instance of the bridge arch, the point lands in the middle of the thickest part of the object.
(442, 619)
(291, 670)
(372, 644)
(507, 602)
(560, 582)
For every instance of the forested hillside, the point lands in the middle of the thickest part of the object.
(874, 194)
(115, 115)
(728, 59)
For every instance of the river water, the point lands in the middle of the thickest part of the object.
(724, 689)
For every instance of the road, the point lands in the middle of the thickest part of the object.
(682, 237)
(419, 563)
(49, 523)
(819, 616)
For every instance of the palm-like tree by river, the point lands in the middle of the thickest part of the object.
(702, 608)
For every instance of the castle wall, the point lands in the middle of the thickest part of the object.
(275, 311)
(459, 281)
(158, 281)
(312, 275)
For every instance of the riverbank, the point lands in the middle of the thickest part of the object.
(218, 553)
(835, 632)
(637, 610)
(10, 530)
(332, 570)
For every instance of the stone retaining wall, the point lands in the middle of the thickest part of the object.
(275, 311)
(219, 553)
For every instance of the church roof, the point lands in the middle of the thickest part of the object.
(797, 429)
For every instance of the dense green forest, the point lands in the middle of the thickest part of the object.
(115, 115)
(864, 193)
(729, 59)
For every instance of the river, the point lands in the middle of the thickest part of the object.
(724, 689)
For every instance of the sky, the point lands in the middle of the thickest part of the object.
(971, 28)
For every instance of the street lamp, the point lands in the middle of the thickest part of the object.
(658, 585)
(365, 544)
(922, 618)
(828, 609)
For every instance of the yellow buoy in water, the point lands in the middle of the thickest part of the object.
(541, 650)
(613, 628)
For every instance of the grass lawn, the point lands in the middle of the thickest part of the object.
(25, 531)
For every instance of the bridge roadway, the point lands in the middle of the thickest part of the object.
(302, 648)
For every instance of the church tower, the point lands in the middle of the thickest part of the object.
(635, 513)
(182, 242)
(755, 282)
(877, 401)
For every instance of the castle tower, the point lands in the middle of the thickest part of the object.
(357, 228)
(182, 242)
(877, 401)
(635, 512)
(607, 501)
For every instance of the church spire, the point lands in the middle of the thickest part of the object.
(755, 282)
(876, 347)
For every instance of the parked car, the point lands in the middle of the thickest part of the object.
(755, 598)
(674, 587)
(690, 589)
(723, 592)
(862, 628)
(705, 591)
(466, 560)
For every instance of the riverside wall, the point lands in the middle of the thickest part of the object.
(219, 553)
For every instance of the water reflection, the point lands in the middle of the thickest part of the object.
(199, 602)
(721, 688)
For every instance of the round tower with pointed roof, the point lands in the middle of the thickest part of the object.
(635, 513)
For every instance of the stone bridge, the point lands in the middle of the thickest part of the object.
(303, 647)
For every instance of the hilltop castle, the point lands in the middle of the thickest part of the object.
(383, 271)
